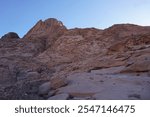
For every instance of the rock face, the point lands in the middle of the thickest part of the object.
(53, 62)
(45, 28)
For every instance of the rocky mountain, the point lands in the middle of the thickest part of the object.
(53, 62)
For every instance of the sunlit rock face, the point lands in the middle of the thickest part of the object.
(88, 63)
(45, 28)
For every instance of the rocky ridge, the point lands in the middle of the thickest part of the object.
(53, 62)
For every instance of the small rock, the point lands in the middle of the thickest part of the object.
(44, 88)
(59, 97)
(27, 75)
(51, 93)
(58, 82)
(33, 75)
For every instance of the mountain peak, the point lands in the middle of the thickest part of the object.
(50, 21)
(45, 28)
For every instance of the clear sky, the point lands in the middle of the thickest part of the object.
(20, 15)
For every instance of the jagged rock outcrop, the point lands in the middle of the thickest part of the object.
(53, 62)
(45, 28)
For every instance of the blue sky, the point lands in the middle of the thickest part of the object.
(20, 15)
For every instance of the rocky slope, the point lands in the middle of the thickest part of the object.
(53, 62)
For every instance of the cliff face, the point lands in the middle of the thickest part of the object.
(90, 63)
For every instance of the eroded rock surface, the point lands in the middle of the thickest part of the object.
(53, 62)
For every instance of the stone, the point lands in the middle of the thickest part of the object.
(58, 82)
(10, 35)
(51, 93)
(33, 75)
(59, 97)
(44, 88)
(27, 75)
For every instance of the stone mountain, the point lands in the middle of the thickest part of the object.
(53, 62)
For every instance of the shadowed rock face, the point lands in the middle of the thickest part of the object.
(10, 35)
(89, 63)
